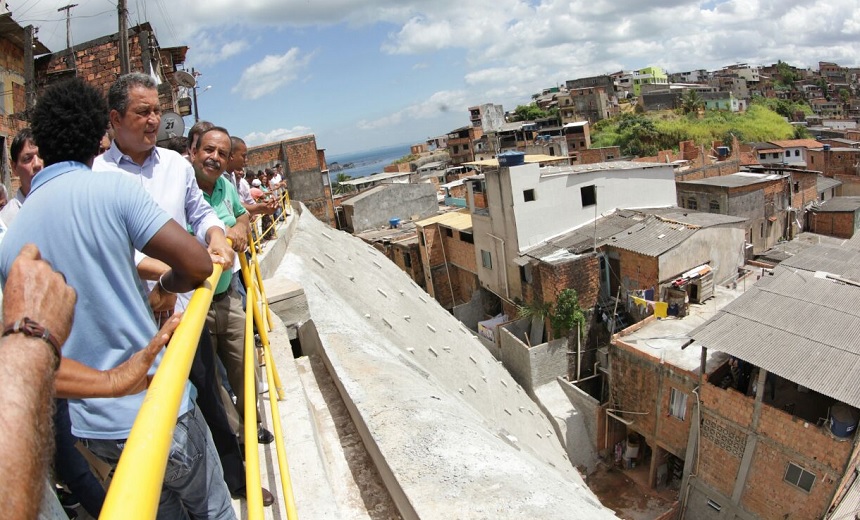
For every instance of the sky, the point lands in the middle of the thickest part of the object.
(365, 74)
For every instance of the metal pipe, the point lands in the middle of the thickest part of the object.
(139, 475)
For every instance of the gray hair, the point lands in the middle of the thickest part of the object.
(118, 93)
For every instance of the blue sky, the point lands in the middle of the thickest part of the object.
(363, 74)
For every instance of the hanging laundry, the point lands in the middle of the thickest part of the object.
(649, 294)
(661, 309)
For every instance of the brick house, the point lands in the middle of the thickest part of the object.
(763, 199)
(837, 217)
(461, 144)
(97, 62)
(13, 82)
(305, 172)
(791, 450)
(835, 161)
(447, 249)
(400, 245)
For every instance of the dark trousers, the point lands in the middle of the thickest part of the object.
(70, 466)
(203, 377)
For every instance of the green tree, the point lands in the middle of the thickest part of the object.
(529, 113)
(339, 187)
(567, 314)
(692, 102)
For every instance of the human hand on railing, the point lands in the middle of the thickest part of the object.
(34, 290)
(270, 207)
(161, 300)
(131, 376)
(238, 235)
(220, 251)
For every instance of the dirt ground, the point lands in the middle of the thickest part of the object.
(628, 498)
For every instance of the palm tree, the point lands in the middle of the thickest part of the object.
(339, 187)
(692, 102)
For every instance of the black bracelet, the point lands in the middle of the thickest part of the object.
(31, 328)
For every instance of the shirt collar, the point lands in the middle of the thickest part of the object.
(115, 155)
(53, 171)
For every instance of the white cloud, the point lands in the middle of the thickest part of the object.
(207, 52)
(271, 73)
(278, 134)
(439, 103)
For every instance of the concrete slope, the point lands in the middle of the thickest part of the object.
(450, 431)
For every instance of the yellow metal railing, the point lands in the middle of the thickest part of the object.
(137, 481)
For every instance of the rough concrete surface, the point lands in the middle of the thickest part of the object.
(451, 432)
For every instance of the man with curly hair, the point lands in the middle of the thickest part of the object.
(88, 225)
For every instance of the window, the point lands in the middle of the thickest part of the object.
(407, 260)
(526, 273)
(775, 155)
(797, 153)
(797, 476)
(788, 153)
(486, 259)
(589, 196)
(529, 195)
(762, 156)
(812, 159)
(467, 237)
(465, 146)
(448, 232)
(796, 187)
(692, 203)
(678, 404)
(714, 206)
(761, 231)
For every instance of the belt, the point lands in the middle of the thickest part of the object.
(220, 296)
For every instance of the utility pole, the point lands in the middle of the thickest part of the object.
(68, 10)
(29, 68)
(122, 13)
(194, 95)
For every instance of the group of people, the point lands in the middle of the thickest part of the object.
(134, 228)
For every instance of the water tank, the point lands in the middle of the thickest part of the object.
(723, 151)
(826, 147)
(394, 222)
(511, 158)
(843, 420)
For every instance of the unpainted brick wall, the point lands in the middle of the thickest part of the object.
(834, 162)
(836, 224)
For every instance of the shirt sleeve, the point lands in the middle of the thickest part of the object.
(198, 212)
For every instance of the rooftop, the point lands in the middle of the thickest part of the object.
(798, 143)
(820, 351)
(839, 205)
(459, 220)
(604, 166)
(376, 177)
(663, 338)
(736, 180)
(785, 250)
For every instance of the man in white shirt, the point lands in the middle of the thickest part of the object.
(135, 115)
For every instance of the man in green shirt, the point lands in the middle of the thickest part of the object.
(226, 318)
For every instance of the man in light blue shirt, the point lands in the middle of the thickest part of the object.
(88, 225)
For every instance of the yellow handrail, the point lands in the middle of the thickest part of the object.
(251, 453)
(253, 486)
(138, 479)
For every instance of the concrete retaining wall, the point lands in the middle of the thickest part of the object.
(535, 366)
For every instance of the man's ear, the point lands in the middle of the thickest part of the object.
(114, 117)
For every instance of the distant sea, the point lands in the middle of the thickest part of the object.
(367, 162)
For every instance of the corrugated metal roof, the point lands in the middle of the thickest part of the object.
(581, 239)
(651, 237)
(695, 218)
(376, 177)
(839, 204)
(459, 220)
(849, 505)
(825, 183)
(799, 325)
(735, 180)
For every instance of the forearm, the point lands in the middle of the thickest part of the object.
(76, 380)
(27, 375)
(151, 269)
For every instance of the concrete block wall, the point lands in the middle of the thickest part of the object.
(535, 366)
(588, 407)
(709, 170)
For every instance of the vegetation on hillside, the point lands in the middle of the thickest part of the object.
(646, 134)
(407, 158)
(531, 112)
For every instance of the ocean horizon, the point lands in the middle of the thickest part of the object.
(367, 162)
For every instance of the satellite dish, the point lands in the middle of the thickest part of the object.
(185, 79)
(171, 126)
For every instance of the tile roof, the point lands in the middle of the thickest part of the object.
(798, 143)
